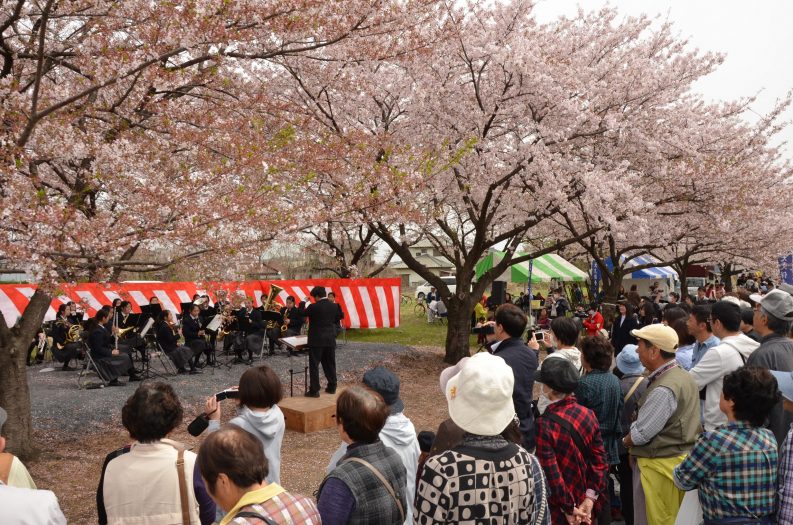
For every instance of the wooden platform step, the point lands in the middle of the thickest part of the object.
(309, 414)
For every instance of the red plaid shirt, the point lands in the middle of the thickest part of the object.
(570, 473)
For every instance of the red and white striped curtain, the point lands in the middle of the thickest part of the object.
(366, 303)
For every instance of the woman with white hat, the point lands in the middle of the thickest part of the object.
(487, 478)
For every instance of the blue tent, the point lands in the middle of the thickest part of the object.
(658, 272)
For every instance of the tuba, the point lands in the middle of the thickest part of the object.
(271, 305)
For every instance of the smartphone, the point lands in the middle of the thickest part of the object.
(227, 394)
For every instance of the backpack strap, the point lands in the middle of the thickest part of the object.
(384, 481)
(633, 389)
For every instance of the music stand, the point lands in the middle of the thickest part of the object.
(297, 343)
(149, 311)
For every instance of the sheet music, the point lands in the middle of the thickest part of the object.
(149, 324)
(215, 323)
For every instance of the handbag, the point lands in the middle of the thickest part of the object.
(384, 481)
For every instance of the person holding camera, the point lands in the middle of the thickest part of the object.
(504, 341)
(258, 413)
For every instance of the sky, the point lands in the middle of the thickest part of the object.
(756, 37)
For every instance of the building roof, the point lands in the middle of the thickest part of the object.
(430, 261)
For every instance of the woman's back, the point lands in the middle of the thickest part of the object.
(484, 479)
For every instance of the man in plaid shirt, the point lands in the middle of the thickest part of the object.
(785, 480)
(735, 466)
(233, 464)
(576, 473)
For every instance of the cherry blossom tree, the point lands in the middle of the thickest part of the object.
(496, 134)
(711, 174)
(129, 125)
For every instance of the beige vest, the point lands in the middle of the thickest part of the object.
(681, 430)
(142, 486)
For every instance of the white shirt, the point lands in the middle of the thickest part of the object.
(709, 373)
(29, 507)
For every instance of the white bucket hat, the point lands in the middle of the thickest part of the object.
(480, 396)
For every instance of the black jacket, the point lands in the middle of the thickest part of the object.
(621, 335)
(523, 362)
(323, 317)
(165, 337)
(100, 341)
(190, 328)
(257, 321)
(295, 319)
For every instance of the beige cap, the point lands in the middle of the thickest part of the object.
(662, 336)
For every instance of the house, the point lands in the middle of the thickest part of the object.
(10, 273)
(425, 253)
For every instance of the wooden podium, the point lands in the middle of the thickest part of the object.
(309, 414)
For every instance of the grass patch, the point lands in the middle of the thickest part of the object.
(413, 330)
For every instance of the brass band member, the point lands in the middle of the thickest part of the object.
(73, 314)
(130, 338)
(254, 334)
(168, 338)
(292, 318)
(110, 362)
(64, 338)
(194, 335)
(332, 298)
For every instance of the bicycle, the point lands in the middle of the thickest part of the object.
(420, 309)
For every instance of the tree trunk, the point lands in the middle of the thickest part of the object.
(459, 306)
(611, 288)
(726, 276)
(14, 393)
(682, 273)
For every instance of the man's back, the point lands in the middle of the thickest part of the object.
(322, 318)
(775, 353)
(523, 362)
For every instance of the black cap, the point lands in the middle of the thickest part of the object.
(558, 374)
(386, 383)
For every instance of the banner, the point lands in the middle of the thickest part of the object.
(366, 303)
(786, 269)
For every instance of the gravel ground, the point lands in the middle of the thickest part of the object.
(77, 410)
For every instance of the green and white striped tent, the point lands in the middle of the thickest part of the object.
(546, 268)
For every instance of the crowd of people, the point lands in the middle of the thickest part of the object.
(622, 426)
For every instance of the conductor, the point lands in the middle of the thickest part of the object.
(323, 317)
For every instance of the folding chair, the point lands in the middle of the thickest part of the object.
(169, 368)
(89, 367)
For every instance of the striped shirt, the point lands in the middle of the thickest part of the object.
(735, 469)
